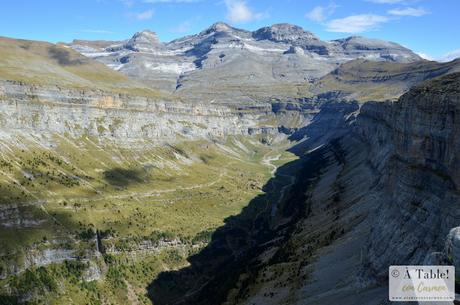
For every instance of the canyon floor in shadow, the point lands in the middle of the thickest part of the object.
(234, 247)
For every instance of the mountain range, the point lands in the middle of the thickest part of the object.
(222, 56)
(225, 167)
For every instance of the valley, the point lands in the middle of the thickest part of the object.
(66, 195)
(225, 167)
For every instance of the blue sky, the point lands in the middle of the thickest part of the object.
(431, 27)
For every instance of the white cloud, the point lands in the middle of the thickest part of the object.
(183, 27)
(239, 12)
(408, 11)
(127, 2)
(321, 13)
(445, 58)
(425, 55)
(148, 14)
(316, 14)
(386, 1)
(356, 23)
(170, 1)
(451, 56)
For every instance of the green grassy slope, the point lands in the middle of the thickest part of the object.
(171, 197)
(43, 63)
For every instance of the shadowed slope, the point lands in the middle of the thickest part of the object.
(349, 214)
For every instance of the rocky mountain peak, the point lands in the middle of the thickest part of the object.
(143, 41)
(388, 50)
(146, 35)
(92, 43)
(360, 41)
(283, 32)
(294, 53)
(219, 27)
(353, 37)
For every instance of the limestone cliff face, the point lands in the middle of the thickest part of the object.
(45, 110)
(415, 146)
(41, 114)
(395, 196)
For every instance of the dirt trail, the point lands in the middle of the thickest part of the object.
(267, 161)
(126, 195)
